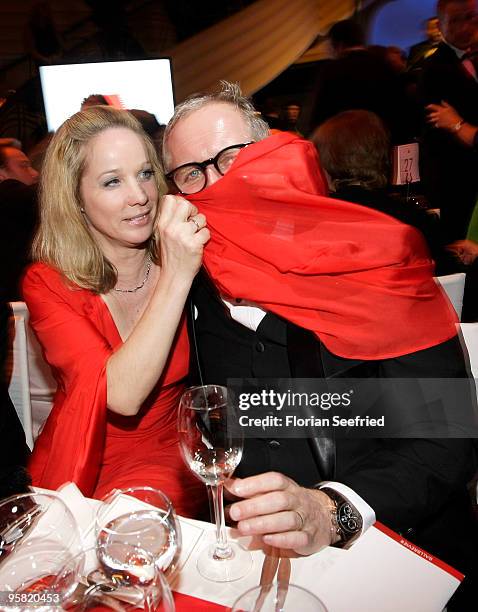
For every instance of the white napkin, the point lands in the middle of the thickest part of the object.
(85, 511)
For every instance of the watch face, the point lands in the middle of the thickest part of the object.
(348, 519)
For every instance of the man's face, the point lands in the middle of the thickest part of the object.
(18, 167)
(293, 112)
(459, 23)
(203, 133)
(433, 30)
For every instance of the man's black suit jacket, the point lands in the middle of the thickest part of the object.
(448, 168)
(19, 209)
(416, 487)
(13, 450)
(363, 79)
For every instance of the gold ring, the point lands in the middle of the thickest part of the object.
(195, 223)
(302, 520)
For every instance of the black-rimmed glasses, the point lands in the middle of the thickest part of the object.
(191, 178)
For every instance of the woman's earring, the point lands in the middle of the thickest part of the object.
(82, 210)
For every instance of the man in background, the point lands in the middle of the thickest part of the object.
(13, 449)
(361, 78)
(426, 48)
(449, 176)
(18, 203)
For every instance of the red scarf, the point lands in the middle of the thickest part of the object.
(361, 280)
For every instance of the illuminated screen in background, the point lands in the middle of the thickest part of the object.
(141, 84)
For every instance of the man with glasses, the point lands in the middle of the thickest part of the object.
(192, 178)
(448, 170)
(207, 144)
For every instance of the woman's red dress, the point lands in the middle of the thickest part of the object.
(82, 441)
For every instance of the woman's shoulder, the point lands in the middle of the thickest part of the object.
(43, 278)
(40, 273)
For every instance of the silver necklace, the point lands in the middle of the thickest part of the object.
(141, 285)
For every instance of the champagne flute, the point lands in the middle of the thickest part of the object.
(211, 443)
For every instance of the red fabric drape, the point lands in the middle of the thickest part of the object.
(361, 280)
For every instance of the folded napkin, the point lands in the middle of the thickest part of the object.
(85, 511)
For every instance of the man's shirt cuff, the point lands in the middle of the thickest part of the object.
(367, 512)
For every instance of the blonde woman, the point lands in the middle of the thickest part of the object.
(106, 300)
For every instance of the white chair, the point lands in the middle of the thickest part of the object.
(470, 336)
(42, 383)
(454, 286)
(39, 382)
(17, 369)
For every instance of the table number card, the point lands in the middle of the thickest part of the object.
(405, 160)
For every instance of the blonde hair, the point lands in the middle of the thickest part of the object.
(63, 239)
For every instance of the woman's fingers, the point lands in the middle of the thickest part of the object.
(174, 207)
(182, 234)
(198, 221)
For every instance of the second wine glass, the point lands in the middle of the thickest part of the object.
(142, 517)
(212, 443)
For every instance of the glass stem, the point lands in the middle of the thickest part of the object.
(222, 549)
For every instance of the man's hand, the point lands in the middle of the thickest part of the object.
(443, 116)
(285, 514)
(465, 250)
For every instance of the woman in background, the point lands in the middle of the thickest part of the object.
(106, 300)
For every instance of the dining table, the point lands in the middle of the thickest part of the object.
(381, 572)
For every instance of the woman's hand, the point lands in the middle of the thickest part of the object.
(182, 235)
(443, 116)
(283, 513)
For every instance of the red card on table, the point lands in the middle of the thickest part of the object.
(186, 603)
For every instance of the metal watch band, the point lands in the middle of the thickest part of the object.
(458, 125)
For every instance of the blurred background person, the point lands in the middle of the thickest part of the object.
(354, 149)
(290, 117)
(94, 100)
(361, 78)
(448, 168)
(42, 40)
(426, 48)
(14, 451)
(18, 201)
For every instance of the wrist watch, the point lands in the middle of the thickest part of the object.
(457, 126)
(346, 519)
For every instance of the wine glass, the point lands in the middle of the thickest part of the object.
(38, 535)
(148, 521)
(138, 585)
(277, 597)
(211, 443)
(97, 598)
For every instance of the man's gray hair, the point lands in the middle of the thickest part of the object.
(230, 93)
